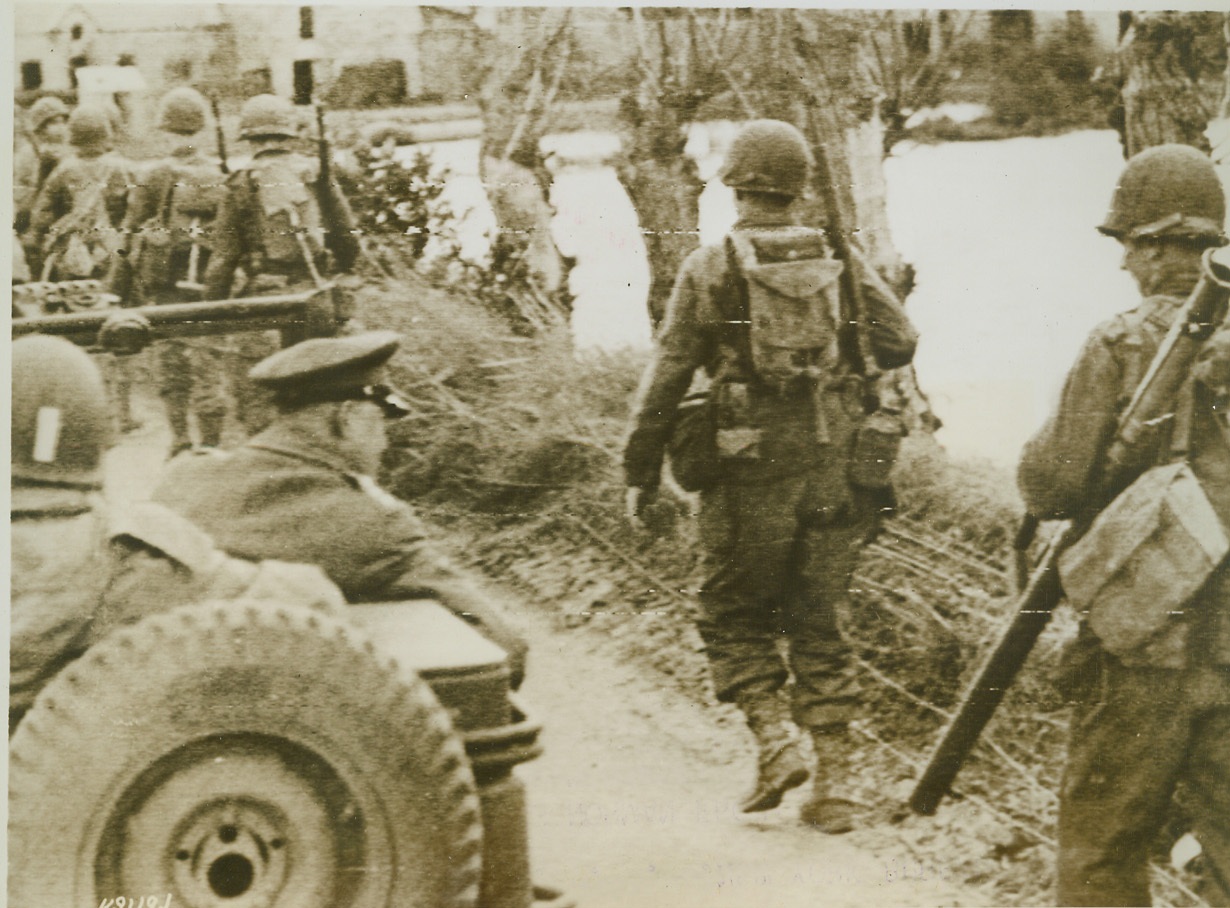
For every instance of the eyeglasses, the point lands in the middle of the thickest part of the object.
(392, 405)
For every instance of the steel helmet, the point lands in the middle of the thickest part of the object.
(89, 127)
(182, 111)
(44, 110)
(768, 156)
(267, 115)
(61, 423)
(1167, 191)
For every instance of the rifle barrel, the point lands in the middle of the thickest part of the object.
(310, 313)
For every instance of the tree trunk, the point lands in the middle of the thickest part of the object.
(1170, 91)
(660, 179)
(526, 53)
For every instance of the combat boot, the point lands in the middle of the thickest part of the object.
(826, 809)
(780, 765)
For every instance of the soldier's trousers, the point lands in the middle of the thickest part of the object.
(1142, 734)
(253, 404)
(778, 563)
(192, 379)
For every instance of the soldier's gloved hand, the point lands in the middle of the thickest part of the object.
(636, 500)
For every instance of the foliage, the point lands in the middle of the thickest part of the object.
(393, 194)
(1032, 86)
(398, 202)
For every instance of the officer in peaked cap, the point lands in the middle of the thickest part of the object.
(303, 488)
(333, 369)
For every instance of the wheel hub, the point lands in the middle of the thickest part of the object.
(237, 826)
(235, 851)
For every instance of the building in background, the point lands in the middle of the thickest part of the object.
(403, 52)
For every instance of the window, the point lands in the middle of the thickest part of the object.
(31, 75)
(303, 81)
(77, 31)
(307, 23)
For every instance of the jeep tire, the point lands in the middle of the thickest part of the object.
(241, 754)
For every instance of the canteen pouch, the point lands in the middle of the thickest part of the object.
(1144, 558)
(736, 435)
(875, 450)
(692, 448)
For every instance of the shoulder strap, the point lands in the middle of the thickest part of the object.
(736, 334)
(168, 194)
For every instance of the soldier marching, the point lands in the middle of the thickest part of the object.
(755, 400)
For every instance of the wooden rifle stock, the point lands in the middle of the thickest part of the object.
(851, 281)
(1151, 406)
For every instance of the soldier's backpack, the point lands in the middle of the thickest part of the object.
(793, 302)
(291, 226)
(175, 243)
(81, 243)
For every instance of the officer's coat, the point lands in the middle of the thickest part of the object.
(292, 496)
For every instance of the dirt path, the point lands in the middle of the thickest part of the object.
(632, 803)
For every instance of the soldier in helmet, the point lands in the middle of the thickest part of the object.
(80, 568)
(47, 144)
(78, 212)
(168, 231)
(781, 522)
(1154, 716)
(281, 225)
(302, 489)
(76, 225)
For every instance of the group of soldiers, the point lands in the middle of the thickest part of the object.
(767, 358)
(180, 228)
(787, 433)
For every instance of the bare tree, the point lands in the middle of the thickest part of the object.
(1171, 67)
(525, 55)
(660, 179)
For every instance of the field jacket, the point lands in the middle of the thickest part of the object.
(699, 333)
(1060, 473)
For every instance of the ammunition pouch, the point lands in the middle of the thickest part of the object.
(1144, 558)
(692, 448)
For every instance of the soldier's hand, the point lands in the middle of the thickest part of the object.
(636, 500)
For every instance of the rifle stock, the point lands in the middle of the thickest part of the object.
(1151, 406)
(838, 236)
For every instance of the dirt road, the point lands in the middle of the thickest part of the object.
(632, 803)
